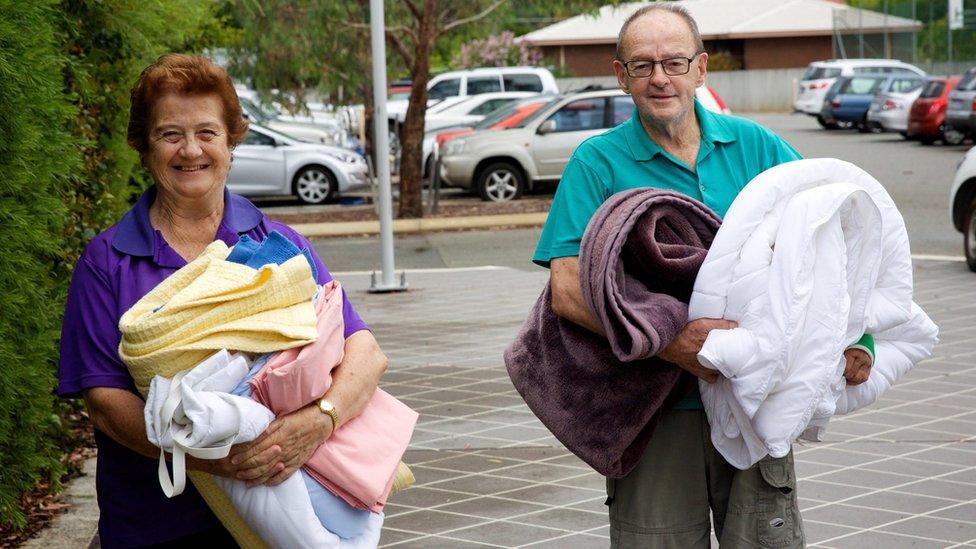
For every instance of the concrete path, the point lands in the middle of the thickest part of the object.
(899, 474)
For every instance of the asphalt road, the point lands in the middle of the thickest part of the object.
(918, 178)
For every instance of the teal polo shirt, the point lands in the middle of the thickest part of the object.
(733, 151)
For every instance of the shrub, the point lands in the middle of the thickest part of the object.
(36, 154)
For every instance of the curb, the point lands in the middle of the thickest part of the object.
(77, 526)
(350, 228)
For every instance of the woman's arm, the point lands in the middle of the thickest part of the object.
(119, 414)
(299, 433)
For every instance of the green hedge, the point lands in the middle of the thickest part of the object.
(66, 174)
(36, 155)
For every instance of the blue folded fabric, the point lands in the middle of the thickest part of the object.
(243, 388)
(336, 515)
(275, 249)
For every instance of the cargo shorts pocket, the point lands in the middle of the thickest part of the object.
(778, 520)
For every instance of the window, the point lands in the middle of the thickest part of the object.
(255, 138)
(445, 88)
(522, 82)
(905, 85)
(623, 108)
(817, 73)
(861, 85)
(933, 89)
(483, 84)
(968, 82)
(582, 115)
(490, 106)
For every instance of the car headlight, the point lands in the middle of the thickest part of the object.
(348, 158)
(454, 146)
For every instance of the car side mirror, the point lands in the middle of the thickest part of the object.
(548, 126)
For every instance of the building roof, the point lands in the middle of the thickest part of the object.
(729, 19)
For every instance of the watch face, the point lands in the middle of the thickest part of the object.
(326, 406)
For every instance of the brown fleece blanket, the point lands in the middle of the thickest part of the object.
(601, 396)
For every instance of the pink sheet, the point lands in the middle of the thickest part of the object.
(359, 461)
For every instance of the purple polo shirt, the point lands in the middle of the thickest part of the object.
(118, 267)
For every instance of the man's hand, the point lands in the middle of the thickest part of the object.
(683, 350)
(858, 366)
(283, 448)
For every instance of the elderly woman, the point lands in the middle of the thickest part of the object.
(185, 121)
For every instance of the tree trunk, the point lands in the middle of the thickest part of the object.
(411, 161)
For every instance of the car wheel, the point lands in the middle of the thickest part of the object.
(863, 126)
(969, 236)
(826, 125)
(951, 136)
(314, 185)
(905, 136)
(500, 182)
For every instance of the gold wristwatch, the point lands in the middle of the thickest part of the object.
(328, 408)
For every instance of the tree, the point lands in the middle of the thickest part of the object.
(414, 43)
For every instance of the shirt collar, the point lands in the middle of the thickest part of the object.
(713, 130)
(136, 236)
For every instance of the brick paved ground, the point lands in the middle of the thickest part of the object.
(899, 474)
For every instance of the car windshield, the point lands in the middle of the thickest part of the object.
(537, 113)
(254, 110)
(933, 89)
(502, 113)
(968, 82)
(817, 73)
(861, 85)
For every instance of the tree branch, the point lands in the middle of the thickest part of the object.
(475, 17)
(398, 45)
(413, 9)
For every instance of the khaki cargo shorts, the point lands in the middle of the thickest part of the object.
(682, 486)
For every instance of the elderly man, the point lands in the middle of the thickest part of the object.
(671, 142)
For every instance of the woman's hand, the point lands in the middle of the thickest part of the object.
(283, 448)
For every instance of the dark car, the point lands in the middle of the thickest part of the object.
(846, 103)
(926, 120)
(961, 112)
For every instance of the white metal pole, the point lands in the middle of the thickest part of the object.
(381, 146)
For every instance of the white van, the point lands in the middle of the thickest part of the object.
(481, 80)
(820, 75)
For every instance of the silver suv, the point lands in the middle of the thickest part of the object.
(500, 164)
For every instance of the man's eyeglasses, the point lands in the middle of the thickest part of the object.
(675, 66)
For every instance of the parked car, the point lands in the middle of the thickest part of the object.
(271, 163)
(309, 133)
(481, 80)
(469, 110)
(889, 108)
(926, 120)
(961, 109)
(962, 205)
(504, 117)
(821, 75)
(500, 165)
(846, 103)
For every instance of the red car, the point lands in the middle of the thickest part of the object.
(926, 120)
(501, 120)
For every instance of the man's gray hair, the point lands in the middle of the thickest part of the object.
(674, 8)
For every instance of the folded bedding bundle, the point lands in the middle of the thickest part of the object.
(811, 255)
(225, 300)
(601, 397)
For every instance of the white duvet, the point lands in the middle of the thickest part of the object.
(194, 414)
(811, 255)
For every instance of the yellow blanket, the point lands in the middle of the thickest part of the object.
(212, 304)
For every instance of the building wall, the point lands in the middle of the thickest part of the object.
(760, 53)
(785, 53)
(584, 60)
